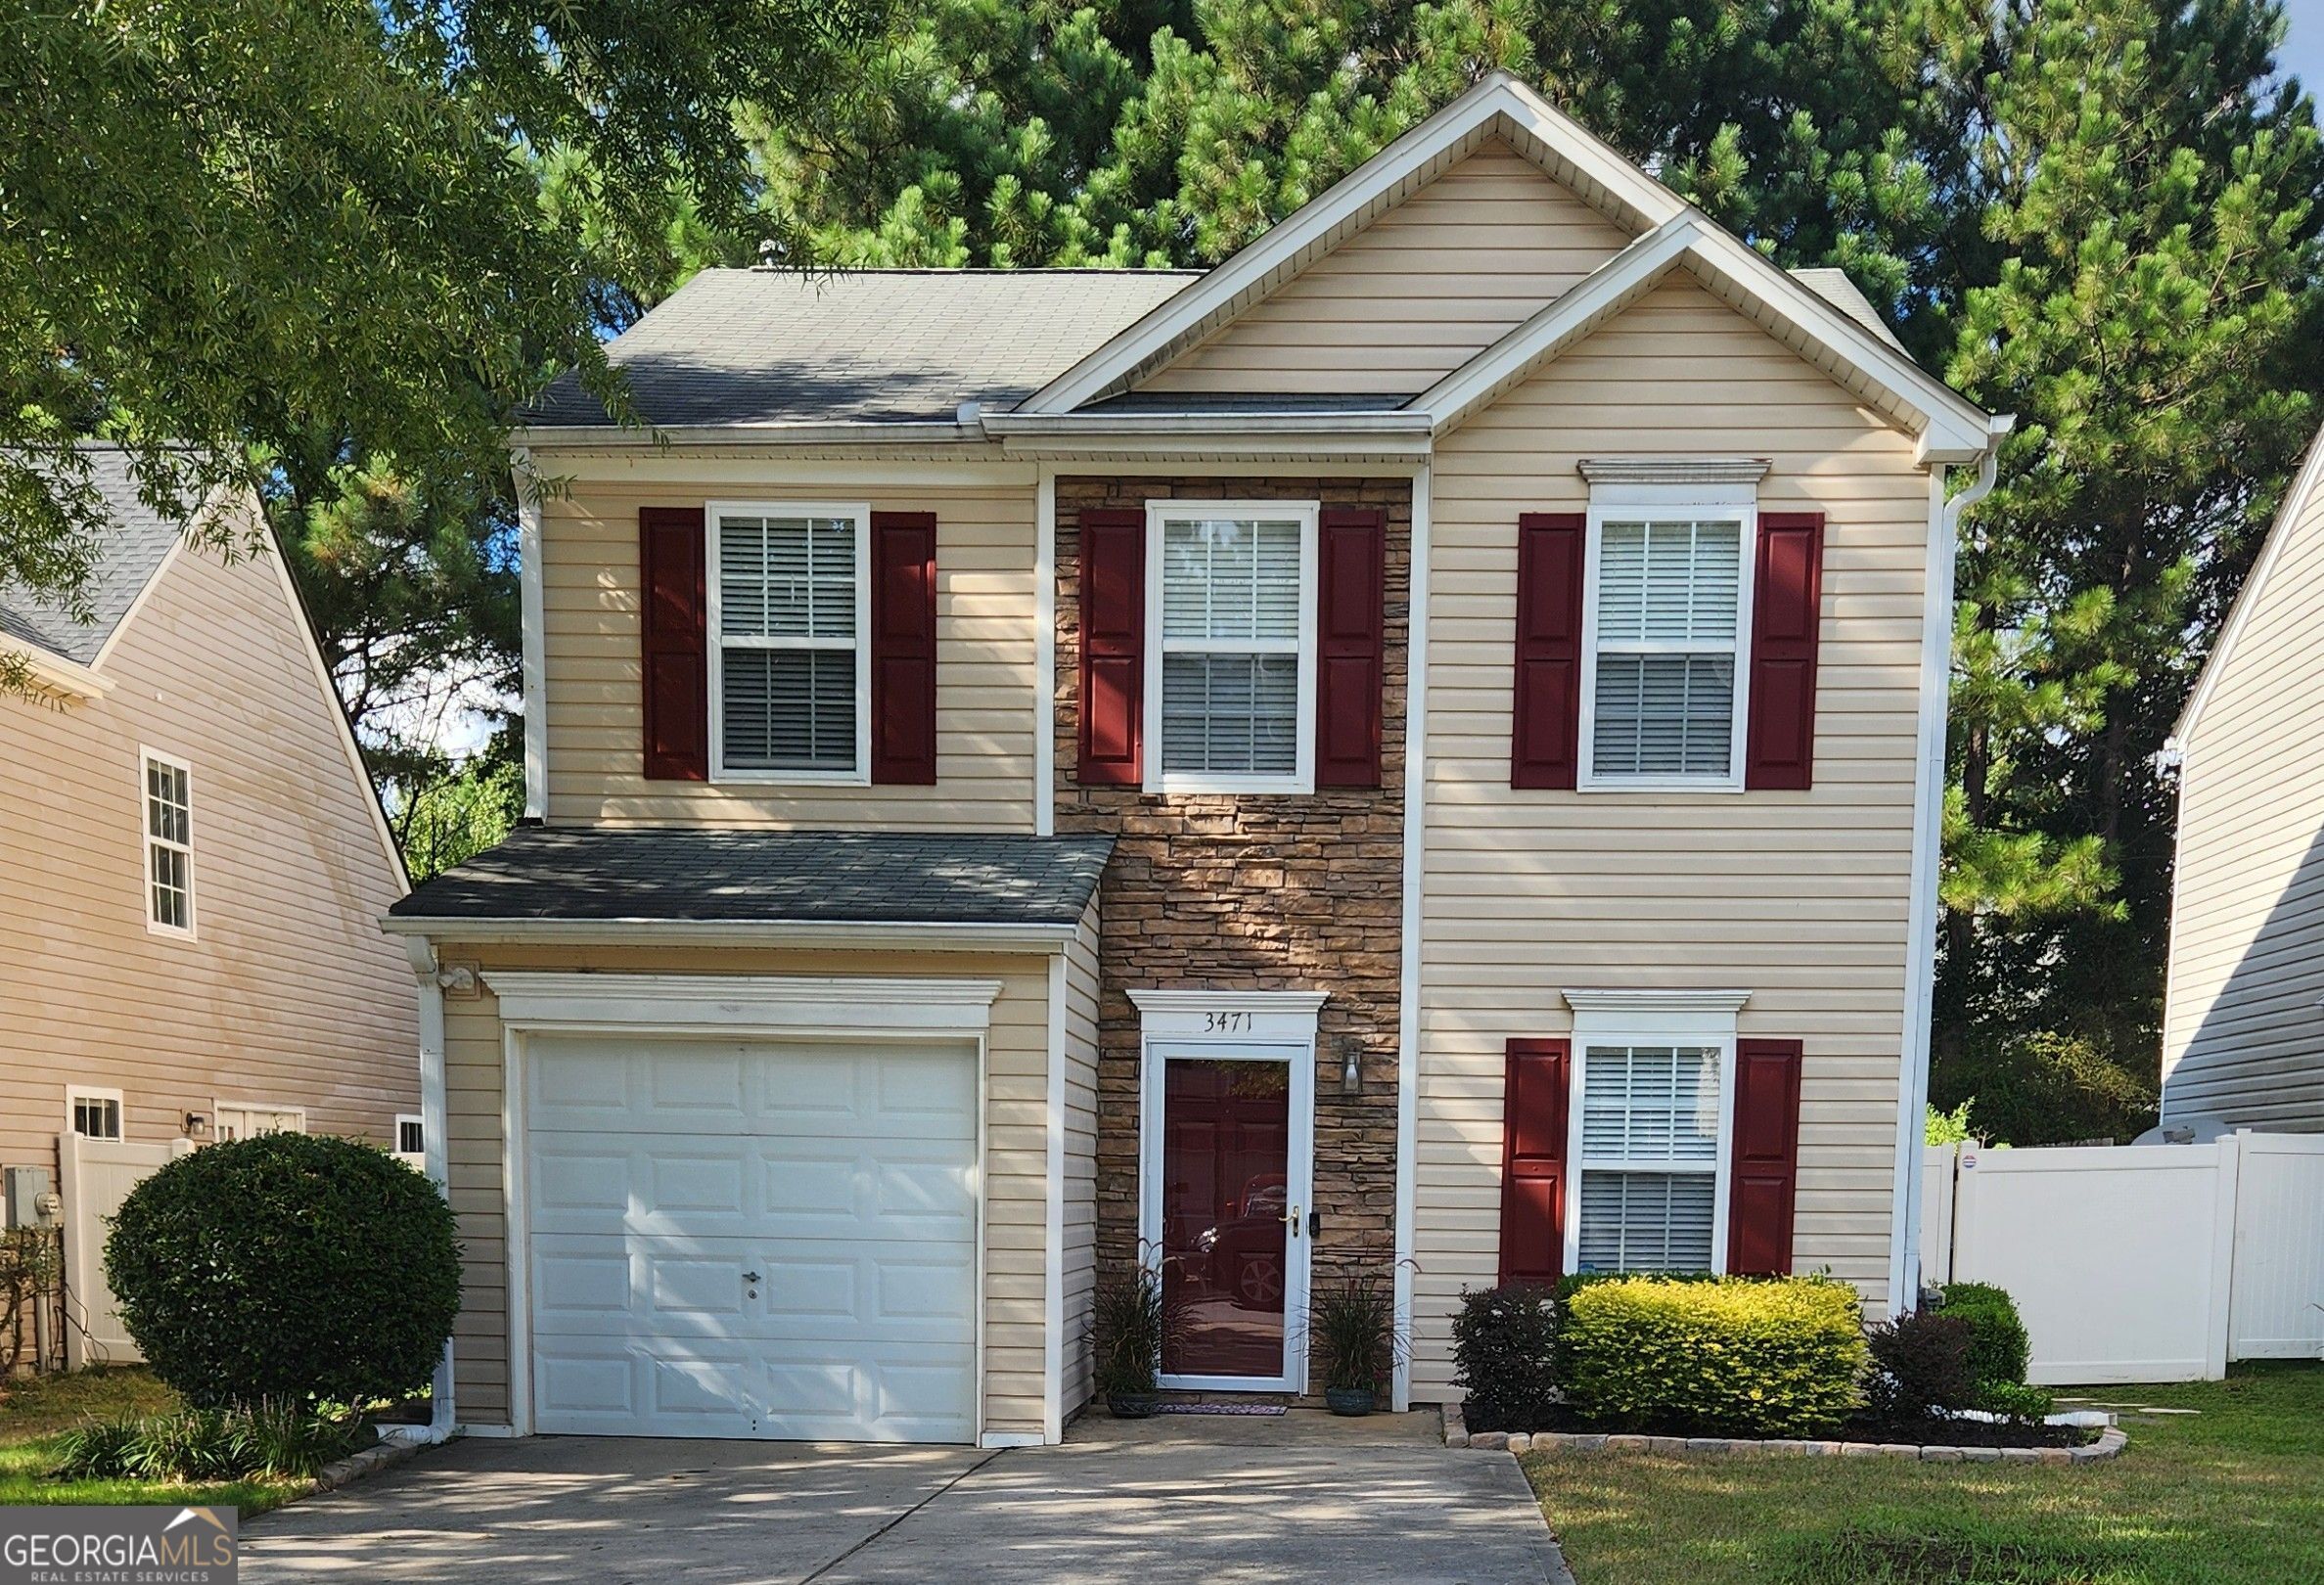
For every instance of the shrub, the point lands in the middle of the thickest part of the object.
(1998, 1347)
(1504, 1345)
(1736, 1356)
(2016, 1402)
(208, 1444)
(284, 1269)
(1920, 1367)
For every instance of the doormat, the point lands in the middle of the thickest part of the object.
(1222, 1409)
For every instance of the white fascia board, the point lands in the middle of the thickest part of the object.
(1951, 428)
(803, 432)
(2305, 484)
(944, 936)
(1605, 291)
(1214, 426)
(54, 671)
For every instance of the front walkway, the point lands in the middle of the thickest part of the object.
(1183, 1501)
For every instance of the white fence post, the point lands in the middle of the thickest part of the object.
(1936, 1217)
(2222, 1254)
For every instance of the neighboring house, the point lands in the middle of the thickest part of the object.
(1410, 755)
(192, 866)
(2242, 1027)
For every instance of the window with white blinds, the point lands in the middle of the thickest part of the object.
(1649, 1158)
(790, 676)
(1230, 603)
(169, 844)
(1667, 636)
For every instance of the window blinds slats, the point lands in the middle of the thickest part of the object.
(788, 710)
(1668, 599)
(1645, 1221)
(1231, 712)
(1229, 581)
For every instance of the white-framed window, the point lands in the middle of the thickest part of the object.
(790, 627)
(1650, 1130)
(1665, 628)
(167, 802)
(411, 1140)
(93, 1113)
(245, 1119)
(1230, 688)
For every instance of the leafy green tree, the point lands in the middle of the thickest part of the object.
(259, 240)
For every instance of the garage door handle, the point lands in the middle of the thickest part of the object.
(752, 1278)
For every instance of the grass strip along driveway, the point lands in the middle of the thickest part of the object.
(37, 1411)
(2230, 1495)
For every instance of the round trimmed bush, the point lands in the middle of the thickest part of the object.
(284, 1269)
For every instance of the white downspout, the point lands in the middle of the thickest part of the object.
(1928, 858)
(422, 953)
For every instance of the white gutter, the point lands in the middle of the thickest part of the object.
(1416, 728)
(1368, 420)
(54, 671)
(896, 936)
(441, 1419)
(533, 610)
(1927, 859)
(646, 436)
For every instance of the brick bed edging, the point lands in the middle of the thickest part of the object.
(356, 1465)
(2110, 1443)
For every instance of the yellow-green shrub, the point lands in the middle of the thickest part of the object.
(1736, 1357)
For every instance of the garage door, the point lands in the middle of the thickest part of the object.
(753, 1240)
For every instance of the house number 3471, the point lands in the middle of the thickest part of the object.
(1227, 1022)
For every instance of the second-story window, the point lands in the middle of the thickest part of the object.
(1665, 638)
(790, 684)
(169, 844)
(1231, 593)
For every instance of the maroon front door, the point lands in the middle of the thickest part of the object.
(1226, 1144)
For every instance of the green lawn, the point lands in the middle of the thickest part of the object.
(2230, 1495)
(35, 1410)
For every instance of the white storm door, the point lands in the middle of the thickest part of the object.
(753, 1240)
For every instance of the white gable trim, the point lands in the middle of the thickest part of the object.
(1859, 357)
(2305, 484)
(1950, 427)
(1500, 105)
(54, 673)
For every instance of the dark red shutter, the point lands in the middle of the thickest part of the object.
(1535, 1093)
(1766, 1174)
(1112, 648)
(671, 547)
(1787, 604)
(1545, 748)
(904, 648)
(1351, 643)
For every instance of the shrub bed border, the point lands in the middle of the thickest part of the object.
(2111, 1442)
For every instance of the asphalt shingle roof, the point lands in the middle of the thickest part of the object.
(127, 558)
(743, 876)
(773, 347)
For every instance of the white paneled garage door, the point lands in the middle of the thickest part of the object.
(753, 1240)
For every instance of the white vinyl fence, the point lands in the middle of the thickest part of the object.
(2139, 1263)
(98, 1175)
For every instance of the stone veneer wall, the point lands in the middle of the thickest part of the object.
(1253, 892)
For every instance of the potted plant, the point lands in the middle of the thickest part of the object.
(1351, 1326)
(1128, 1323)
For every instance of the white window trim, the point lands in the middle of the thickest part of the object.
(1621, 500)
(74, 1094)
(1307, 514)
(1630, 1017)
(417, 1158)
(219, 1110)
(716, 644)
(147, 758)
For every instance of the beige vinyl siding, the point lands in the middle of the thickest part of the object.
(1082, 1154)
(1016, 1153)
(985, 663)
(1800, 898)
(2244, 1030)
(1416, 294)
(287, 992)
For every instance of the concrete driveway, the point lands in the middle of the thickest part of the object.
(1153, 1507)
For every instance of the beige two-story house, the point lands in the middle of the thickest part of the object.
(192, 866)
(1411, 756)
(2242, 1027)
